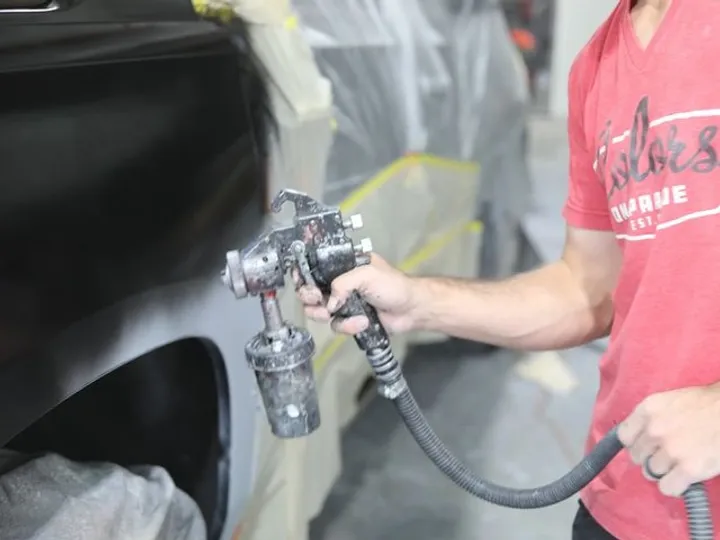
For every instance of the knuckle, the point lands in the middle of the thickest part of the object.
(690, 468)
(341, 285)
(376, 261)
(349, 328)
(310, 295)
(341, 327)
(355, 278)
(667, 488)
(656, 429)
(351, 325)
(629, 431)
(625, 432)
(303, 295)
(360, 323)
(673, 453)
(651, 404)
(642, 408)
(637, 456)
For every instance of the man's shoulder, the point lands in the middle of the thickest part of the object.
(603, 42)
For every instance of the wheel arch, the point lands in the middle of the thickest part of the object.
(167, 407)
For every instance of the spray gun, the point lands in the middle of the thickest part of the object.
(318, 246)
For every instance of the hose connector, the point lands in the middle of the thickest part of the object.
(387, 371)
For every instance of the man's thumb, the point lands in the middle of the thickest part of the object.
(343, 286)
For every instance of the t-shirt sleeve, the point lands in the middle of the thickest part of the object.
(586, 206)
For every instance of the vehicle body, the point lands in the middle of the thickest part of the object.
(133, 141)
(137, 149)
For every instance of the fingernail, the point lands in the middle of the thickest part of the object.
(332, 304)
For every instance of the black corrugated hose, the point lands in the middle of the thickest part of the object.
(389, 374)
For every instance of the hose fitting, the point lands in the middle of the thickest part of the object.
(387, 371)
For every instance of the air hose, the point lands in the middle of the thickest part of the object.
(393, 386)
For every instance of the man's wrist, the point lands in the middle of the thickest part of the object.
(423, 292)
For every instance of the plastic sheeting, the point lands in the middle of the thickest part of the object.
(51, 498)
(359, 84)
(430, 102)
(412, 113)
(430, 76)
(301, 96)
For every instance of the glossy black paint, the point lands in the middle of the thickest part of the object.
(133, 144)
(133, 153)
(55, 12)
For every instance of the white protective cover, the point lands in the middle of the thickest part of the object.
(49, 497)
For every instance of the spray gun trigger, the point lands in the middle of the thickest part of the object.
(303, 266)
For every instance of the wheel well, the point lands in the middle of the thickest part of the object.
(168, 407)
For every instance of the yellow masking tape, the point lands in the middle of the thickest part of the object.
(291, 23)
(433, 247)
(204, 8)
(225, 13)
(405, 162)
(426, 252)
(328, 352)
(200, 6)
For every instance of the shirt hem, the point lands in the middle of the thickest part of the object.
(608, 520)
(586, 220)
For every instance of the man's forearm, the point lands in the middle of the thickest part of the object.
(539, 310)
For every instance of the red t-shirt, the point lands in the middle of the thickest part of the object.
(645, 164)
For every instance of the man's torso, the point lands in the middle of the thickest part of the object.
(651, 119)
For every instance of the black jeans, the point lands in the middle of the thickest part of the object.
(586, 528)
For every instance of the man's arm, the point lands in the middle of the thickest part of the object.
(560, 305)
(563, 304)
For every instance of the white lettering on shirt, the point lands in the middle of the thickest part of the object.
(644, 211)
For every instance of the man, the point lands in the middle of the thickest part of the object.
(642, 248)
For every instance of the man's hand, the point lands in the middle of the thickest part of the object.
(390, 291)
(557, 306)
(675, 436)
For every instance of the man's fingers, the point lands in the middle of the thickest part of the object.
(675, 483)
(643, 447)
(310, 296)
(351, 325)
(632, 428)
(317, 314)
(341, 289)
(343, 286)
(657, 465)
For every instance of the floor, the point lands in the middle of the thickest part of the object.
(518, 420)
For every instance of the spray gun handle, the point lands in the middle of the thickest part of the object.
(375, 343)
(375, 336)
